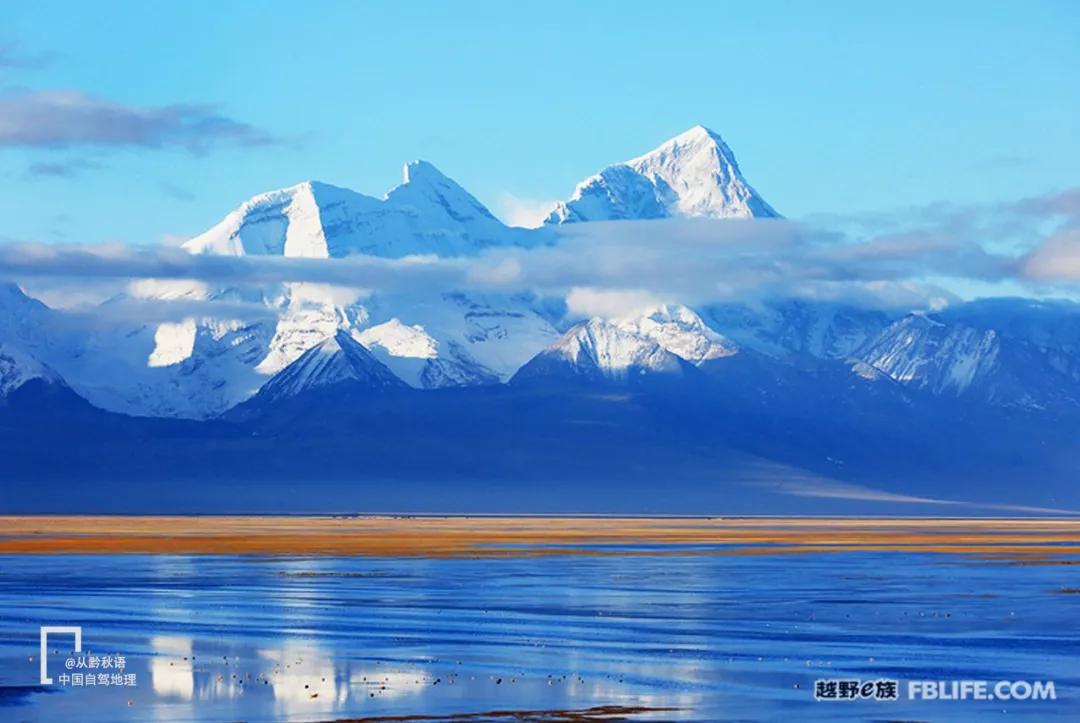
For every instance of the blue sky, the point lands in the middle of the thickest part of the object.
(833, 107)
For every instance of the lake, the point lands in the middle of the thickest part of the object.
(603, 631)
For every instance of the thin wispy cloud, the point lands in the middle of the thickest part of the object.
(599, 273)
(14, 57)
(117, 261)
(175, 191)
(71, 118)
(68, 168)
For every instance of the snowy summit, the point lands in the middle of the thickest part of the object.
(427, 213)
(694, 174)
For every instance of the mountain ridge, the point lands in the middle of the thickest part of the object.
(200, 366)
(694, 174)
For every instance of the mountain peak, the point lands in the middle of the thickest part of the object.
(16, 303)
(679, 330)
(420, 171)
(336, 344)
(17, 368)
(694, 174)
(425, 186)
(335, 360)
(11, 290)
(600, 351)
(696, 134)
(697, 144)
(428, 213)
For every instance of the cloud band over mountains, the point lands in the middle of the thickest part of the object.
(602, 266)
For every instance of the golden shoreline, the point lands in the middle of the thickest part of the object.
(506, 536)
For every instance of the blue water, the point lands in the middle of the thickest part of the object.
(717, 637)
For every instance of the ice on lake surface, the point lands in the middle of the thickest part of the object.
(709, 637)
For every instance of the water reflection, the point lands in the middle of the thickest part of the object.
(298, 675)
(228, 638)
(171, 668)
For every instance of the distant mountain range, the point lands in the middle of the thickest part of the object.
(858, 406)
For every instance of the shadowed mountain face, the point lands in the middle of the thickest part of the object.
(336, 362)
(718, 440)
(653, 413)
(1009, 352)
(598, 352)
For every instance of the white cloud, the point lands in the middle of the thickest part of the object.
(615, 268)
(320, 294)
(62, 293)
(172, 240)
(610, 303)
(501, 272)
(523, 212)
(1057, 259)
(168, 289)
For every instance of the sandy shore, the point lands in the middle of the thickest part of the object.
(1015, 538)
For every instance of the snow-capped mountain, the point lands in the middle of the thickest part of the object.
(414, 356)
(792, 328)
(105, 364)
(694, 174)
(672, 343)
(282, 373)
(924, 352)
(24, 321)
(427, 214)
(431, 339)
(200, 364)
(337, 360)
(476, 339)
(679, 330)
(17, 368)
(600, 351)
(1016, 353)
(667, 340)
(192, 367)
